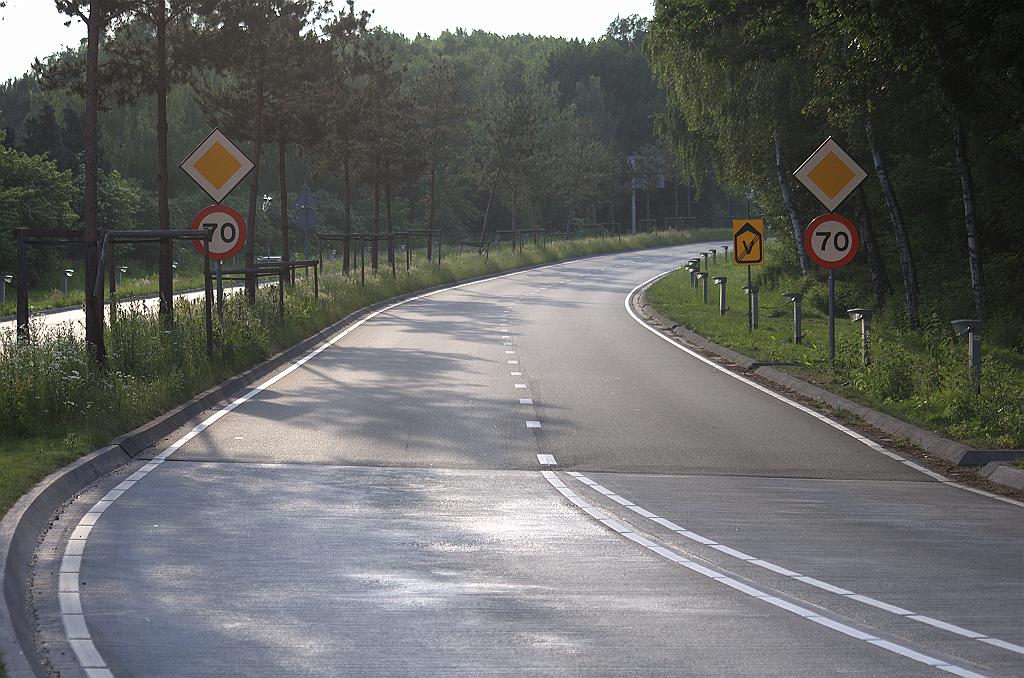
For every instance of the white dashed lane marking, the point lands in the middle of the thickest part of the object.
(546, 460)
(532, 424)
(796, 576)
(526, 401)
(667, 553)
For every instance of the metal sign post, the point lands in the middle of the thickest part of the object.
(748, 249)
(306, 216)
(831, 241)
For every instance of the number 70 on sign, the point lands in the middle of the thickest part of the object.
(831, 241)
(228, 231)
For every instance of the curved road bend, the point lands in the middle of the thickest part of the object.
(390, 507)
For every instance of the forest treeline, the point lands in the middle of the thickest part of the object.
(924, 94)
(466, 133)
(472, 132)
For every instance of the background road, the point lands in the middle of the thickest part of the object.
(389, 508)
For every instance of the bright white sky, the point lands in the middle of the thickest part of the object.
(33, 28)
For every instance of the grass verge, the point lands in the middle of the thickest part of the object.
(57, 404)
(919, 376)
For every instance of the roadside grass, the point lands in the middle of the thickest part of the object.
(56, 404)
(918, 376)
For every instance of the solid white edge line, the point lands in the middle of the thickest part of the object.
(71, 564)
(778, 396)
(666, 553)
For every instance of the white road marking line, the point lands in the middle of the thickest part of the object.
(796, 576)
(672, 556)
(515, 374)
(526, 401)
(532, 424)
(71, 564)
(510, 352)
(546, 460)
(945, 626)
(778, 396)
(513, 362)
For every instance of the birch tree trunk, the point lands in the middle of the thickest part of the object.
(879, 276)
(899, 227)
(787, 198)
(963, 166)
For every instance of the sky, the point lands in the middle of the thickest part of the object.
(34, 28)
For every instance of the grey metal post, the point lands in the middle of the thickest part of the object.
(831, 318)
(720, 280)
(864, 316)
(972, 328)
(121, 271)
(725, 251)
(4, 282)
(714, 256)
(703, 277)
(750, 308)
(68, 272)
(756, 306)
(692, 268)
(220, 290)
(796, 298)
(704, 255)
(22, 294)
(752, 292)
(208, 291)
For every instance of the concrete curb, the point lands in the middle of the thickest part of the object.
(30, 516)
(1004, 474)
(949, 450)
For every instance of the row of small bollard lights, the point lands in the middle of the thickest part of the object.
(699, 278)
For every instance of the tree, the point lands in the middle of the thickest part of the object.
(342, 104)
(736, 76)
(34, 193)
(292, 116)
(514, 131)
(97, 16)
(244, 51)
(153, 46)
(440, 108)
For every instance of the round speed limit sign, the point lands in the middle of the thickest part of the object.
(831, 241)
(228, 231)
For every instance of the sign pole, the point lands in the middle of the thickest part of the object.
(220, 290)
(208, 291)
(750, 304)
(832, 318)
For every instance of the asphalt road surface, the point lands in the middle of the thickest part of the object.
(516, 477)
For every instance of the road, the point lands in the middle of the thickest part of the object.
(516, 477)
(75, 317)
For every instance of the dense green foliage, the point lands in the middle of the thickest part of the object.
(528, 130)
(924, 94)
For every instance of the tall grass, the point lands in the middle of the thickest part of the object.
(57, 403)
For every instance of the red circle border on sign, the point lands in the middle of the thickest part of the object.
(854, 240)
(197, 223)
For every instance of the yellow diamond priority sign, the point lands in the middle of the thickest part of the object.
(217, 166)
(830, 174)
